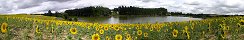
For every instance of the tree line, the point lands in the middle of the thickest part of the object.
(89, 11)
(131, 10)
(104, 11)
(97, 11)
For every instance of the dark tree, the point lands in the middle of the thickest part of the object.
(90, 11)
(57, 14)
(131, 10)
(49, 13)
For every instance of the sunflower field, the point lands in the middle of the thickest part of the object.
(36, 27)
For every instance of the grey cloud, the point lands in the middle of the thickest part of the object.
(60, 0)
(147, 0)
(192, 3)
(192, 6)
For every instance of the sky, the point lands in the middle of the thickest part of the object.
(228, 7)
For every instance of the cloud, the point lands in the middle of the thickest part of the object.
(189, 6)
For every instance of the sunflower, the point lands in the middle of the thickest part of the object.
(100, 26)
(111, 26)
(228, 28)
(146, 27)
(97, 29)
(106, 28)
(52, 30)
(47, 24)
(188, 35)
(138, 27)
(101, 31)
(126, 32)
(125, 28)
(116, 28)
(145, 34)
(118, 37)
(192, 27)
(175, 32)
(4, 27)
(73, 31)
(88, 27)
(70, 23)
(158, 29)
(57, 23)
(186, 28)
(107, 38)
(241, 22)
(224, 34)
(151, 29)
(95, 37)
(128, 36)
(37, 30)
(225, 28)
(139, 32)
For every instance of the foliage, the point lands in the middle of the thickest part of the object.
(89, 11)
(131, 10)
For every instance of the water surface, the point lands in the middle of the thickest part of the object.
(136, 19)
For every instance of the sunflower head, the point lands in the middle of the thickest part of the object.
(57, 23)
(188, 35)
(158, 29)
(4, 27)
(37, 29)
(105, 28)
(118, 37)
(95, 37)
(101, 31)
(47, 24)
(139, 32)
(186, 28)
(107, 38)
(116, 28)
(146, 27)
(138, 27)
(125, 28)
(73, 31)
(52, 30)
(97, 28)
(128, 36)
(175, 32)
(224, 34)
(88, 27)
(151, 29)
(145, 34)
(241, 22)
(129, 39)
(192, 27)
(100, 26)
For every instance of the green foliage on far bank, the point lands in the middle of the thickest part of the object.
(89, 11)
(93, 11)
(131, 10)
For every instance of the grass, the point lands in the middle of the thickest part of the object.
(34, 27)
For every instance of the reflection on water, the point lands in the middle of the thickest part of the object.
(136, 19)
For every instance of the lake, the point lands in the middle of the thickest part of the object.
(135, 19)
